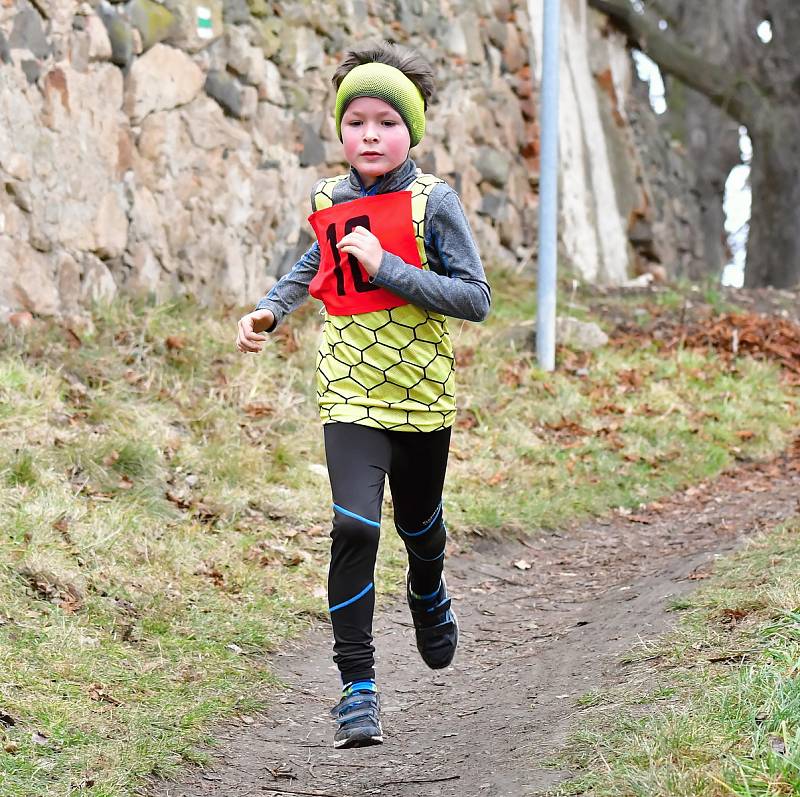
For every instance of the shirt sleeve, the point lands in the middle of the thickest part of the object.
(291, 290)
(462, 292)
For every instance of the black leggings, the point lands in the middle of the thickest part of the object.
(359, 459)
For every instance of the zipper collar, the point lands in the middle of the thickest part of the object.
(395, 180)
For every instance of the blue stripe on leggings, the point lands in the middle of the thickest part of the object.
(422, 558)
(357, 517)
(351, 600)
(420, 533)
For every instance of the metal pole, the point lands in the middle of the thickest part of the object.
(548, 192)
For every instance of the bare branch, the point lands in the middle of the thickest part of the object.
(734, 92)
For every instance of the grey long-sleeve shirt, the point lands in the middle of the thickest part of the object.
(455, 285)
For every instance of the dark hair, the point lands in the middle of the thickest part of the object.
(408, 61)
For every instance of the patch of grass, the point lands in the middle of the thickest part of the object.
(165, 523)
(20, 470)
(730, 672)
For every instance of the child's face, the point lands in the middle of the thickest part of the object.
(375, 138)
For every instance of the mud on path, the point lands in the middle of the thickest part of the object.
(532, 642)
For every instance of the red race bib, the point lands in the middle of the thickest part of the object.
(342, 282)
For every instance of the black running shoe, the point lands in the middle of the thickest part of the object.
(435, 625)
(359, 719)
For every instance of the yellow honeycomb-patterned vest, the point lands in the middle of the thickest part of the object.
(389, 369)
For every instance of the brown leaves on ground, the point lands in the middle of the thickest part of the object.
(730, 335)
(268, 552)
(762, 337)
(49, 587)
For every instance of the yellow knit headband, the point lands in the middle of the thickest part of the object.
(386, 83)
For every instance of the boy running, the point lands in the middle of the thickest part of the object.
(394, 255)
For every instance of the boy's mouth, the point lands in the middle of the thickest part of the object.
(371, 153)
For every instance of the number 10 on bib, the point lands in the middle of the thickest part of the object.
(341, 282)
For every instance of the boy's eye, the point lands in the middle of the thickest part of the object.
(389, 123)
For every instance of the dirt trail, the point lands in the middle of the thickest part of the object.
(532, 642)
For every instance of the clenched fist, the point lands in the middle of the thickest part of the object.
(248, 337)
(365, 247)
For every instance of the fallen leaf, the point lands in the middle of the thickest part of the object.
(295, 558)
(464, 356)
(498, 477)
(62, 525)
(207, 511)
(467, 419)
(258, 409)
(180, 501)
(175, 342)
(522, 564)
(73, 338)
(100, 695)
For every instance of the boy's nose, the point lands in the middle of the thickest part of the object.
(370, 133)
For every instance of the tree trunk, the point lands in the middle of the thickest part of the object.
(760, 88)
(709, 135)
(773, 250)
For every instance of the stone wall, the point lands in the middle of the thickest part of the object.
(169, 148)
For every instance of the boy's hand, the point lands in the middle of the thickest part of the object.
(250, 325)
(365, 247)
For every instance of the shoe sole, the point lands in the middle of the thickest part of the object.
(362, 741)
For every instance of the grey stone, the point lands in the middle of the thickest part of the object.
(298, 98)
(472, 34)
(235, 12)
(161, 79)
(243, 58)
(154, 22)
(98, 282)
(32, 70)
(493, 204)
(271, 31)
(235, 99)
(579, 335)
(271, 87)
(99, 42)
(120, 34)
(5, 50)
(28, 33)
(199, 22)
(454, 39)
(313, 149)
(498, 34)
(69, 281)
(493, 165)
